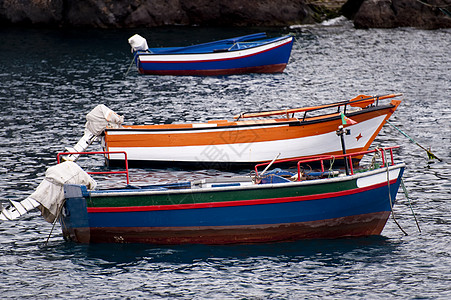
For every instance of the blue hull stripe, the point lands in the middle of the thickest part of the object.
(275, 56)
(370, 201)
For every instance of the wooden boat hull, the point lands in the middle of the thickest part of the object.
(228, 145)
(271, 57)
(351, 206)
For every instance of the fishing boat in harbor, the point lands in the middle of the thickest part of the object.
(253, 53)
(248, 139)
(266, 206)
(269, 205)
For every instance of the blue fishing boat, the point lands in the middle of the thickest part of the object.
(253, 53)
(267, 206)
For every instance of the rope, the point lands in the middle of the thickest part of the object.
(389, 194)
(430, 154)
(234, 44)
(410, 204)
(446, 12)
(441, 8)
(331, 164)
(131, 63)
(432, 5)
(373, 160)
(54, 222)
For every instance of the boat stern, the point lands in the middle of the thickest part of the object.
(74, 218)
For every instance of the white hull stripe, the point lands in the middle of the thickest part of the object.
(148, 58)
(202, 129)
(378, 178)
(257, 151)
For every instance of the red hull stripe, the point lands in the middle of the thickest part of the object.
(278, 68)
(209, 60)
(235, 203)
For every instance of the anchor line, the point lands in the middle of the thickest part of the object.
(410, 204)
(389, 193)
(432, 5)
(430, 154)
(60, 209)
(129, 67)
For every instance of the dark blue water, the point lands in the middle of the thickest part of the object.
(50, 79)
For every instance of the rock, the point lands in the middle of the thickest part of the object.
(350, 8)
(427, 14)
(247, 13)
(149, 13)
(31, 11)
(326, 9)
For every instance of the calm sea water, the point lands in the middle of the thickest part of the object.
(50, 79)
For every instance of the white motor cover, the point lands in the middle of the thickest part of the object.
(100, 118)
(50, 193)
(138, 43)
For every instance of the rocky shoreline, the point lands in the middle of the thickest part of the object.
(427, 14)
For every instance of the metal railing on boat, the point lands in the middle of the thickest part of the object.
(359, 101)
(322, 158)
(58, 158)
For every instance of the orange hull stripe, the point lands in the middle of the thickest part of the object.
(233, 136)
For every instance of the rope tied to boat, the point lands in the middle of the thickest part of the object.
(410, 204)
(58, 216)
(234, 44)
(428, 151)
(443, 8)
(131, 63)
(382, 152)
(331, 164)
(376, 155)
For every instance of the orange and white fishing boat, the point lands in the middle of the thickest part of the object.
(248, 139)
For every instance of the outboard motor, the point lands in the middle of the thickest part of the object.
(138, 43)
(49, 195)
(97, 120)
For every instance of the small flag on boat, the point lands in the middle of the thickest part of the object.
(347, 121)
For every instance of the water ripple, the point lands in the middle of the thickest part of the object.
(52, 78)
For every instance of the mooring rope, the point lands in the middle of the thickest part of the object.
(410, 204)
(60, 209)
(389, 193)
(129, 67)
(430, 154)
(376, 155)
(445, 11)
(441, 8)
(432, 5)
(331, 164)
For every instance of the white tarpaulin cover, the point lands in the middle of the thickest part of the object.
(50, 193)
(138, 43)
(101, 117)
(96, 122)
